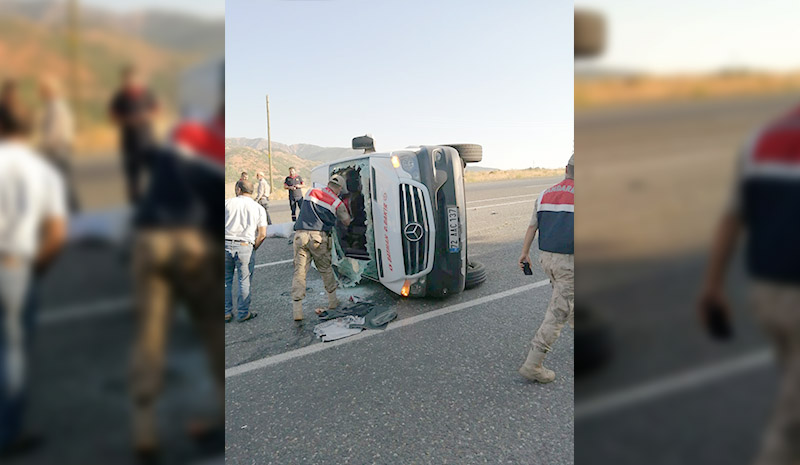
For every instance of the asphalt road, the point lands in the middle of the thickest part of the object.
(652, 182)
(100, 182)
(439, 386)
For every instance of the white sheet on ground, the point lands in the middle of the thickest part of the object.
(111, 225)
(281, 229)
(338, 328)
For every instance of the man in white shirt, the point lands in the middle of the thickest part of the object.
(33, 224)
(262, 194)
(245, 230)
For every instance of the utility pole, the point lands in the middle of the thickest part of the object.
(269, 148)
(73, 45)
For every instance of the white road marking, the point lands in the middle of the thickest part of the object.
(280, 262)
(74, 312)
(509, 197)
(500, 204)
(502, 198)
(318, 347)
(670, 385)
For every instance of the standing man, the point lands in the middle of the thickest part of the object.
(294, 184)
(57, 133)
(262, 194)
(33, 229)
(765, 206)
(554, 219)
(244, 176)
(177, 259)
(132, 109)
(321, 208)
(245, 230)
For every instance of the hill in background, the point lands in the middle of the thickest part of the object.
(598, 87)
(304, 151)
(244, 154)
(33, 41)
(252, 160)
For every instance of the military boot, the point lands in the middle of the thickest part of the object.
(533, 370)
(145, 442)
(297, 310)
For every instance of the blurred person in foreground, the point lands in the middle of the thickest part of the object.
(766, 205)
(9, 96)
(177, 258)
(553, 217)
(321, 208)
(33, 225)
(56, 133)
(262, 194)
(245, 230)
(133, 108)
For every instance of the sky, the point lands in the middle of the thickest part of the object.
(406, 72)
(204, 8)
(696, 36)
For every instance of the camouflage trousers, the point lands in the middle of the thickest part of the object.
(172, 266)
(308, 246)
(778, 309)
(560, 268)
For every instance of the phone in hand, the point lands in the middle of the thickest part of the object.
(526, 268)
(718, 322)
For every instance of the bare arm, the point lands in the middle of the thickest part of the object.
(725, 239)
(53, 237)
(261, 234)
(526, 245)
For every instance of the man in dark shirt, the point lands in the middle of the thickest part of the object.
(762, 213)
(294, 184)
(132, 109)
(176, 257)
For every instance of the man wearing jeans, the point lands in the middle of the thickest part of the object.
(32, 232)
(245, 230)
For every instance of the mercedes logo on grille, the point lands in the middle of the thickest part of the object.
(413, 232)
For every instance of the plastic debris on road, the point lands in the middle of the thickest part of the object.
(339, 328)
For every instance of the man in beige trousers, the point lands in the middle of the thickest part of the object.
(553, 218)
(318, 215)
(764, 209)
